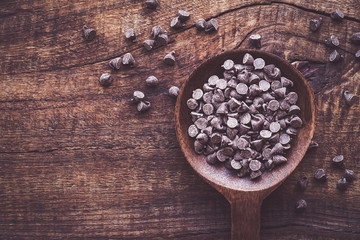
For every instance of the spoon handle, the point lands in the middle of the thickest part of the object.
(245, 218)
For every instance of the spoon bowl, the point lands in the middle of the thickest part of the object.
(245, 195)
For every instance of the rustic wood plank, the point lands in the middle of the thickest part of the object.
(77, 161)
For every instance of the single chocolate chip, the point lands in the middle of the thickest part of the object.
(138, 96)
(235, 164)
(294, 109)
(202, 138)
(212, 159)
(208, 109)
(275, 127)
(149, 44)
(284, 139)
(211, 25)
(255, 40)
(259, 63)
(201, 123)
(349, 175)
(152, 81)
(279, 159)
(337, 15)
(264, 85)
(320, 175)
(222, 109)
(130, 35)
(315, 24)
(254, 165)
(342, 184)
(281, 92)
(143, 106)
(255, 175)
(169, 58)
(116, 63)
(174, 91)
(232, 122)
(248, 59)
(162, 39)
(242, 89)
(213, 80)
(300, 205)
(228, 64)
(302, 183)
(253, 78)
(355, 38)
(198, 147)
(265, 134)
(332, 41)
(156, 31)
(105, 79)
(193, 131)
(272, 71)
(183, 15)
(221, 84)
(335, 56)
(200, 24)
(338, 161)
(285, 82)
(296, 122)
(350, 98)
(152, 4)
(273, 105)
(313, 144)
(128, 60)
(357, 55)
(89, 33)
(192, 104)
(176, 23)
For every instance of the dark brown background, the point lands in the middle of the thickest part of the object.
(78, 162)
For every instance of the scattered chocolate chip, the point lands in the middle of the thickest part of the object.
(313, 144)
(169, 58)
(130, 35)
(116, 63)
(349, 175)
(200, 24)
(355, 38)
(152, 81)
(342, 184)
(338, 161)
(89, 33)
(350, 98)
(300, 205)
(152, 4)
(255, 40)
(162, 39)
(337, 15)
(143, 106)
(332, 41)
(183, 15)
(254, 175)
(176, 23)
(302, 183)
(211, 25)
(174, 91)
(128, 60)
(105, 79)
(138, 96)
(320, 175)
(149, 44)
(156, 31)
(315, 24)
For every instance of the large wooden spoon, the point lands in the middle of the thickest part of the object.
(245, 196)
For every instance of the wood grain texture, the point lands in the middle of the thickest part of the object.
(77, 161)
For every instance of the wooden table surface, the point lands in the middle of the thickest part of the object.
(78, 162)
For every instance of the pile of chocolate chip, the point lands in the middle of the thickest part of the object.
(246, 118)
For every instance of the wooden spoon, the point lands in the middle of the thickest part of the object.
(244, 195)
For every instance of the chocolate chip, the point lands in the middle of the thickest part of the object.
(152, 4)
(349, 175)
(300, 205)
(128, 60)
(152, 81)
(342, 184)
(174, 91)
(350, 98)
(143, 106)
(255, 40)
(338, 161)
(259, 63)
(264, 85)
(333, 41)
(337, 15)
(89, 33)
(335, 56)
(279, 159)
(149, 44)
(200, 24)
(273, 105)
(162, 39)
(228, 64)
(254, 175)
(105, 79)
(202, 138)
(192, 104)
(176, 23)
(315, 24)
(116, 63)
(169, 58)
(313, 144)
(156, 31)
(193, 131)
(183, 15)
(320, 175)
(211, 25)
(212, 159)
(275, 127)
(208, 109)
(254, 165)
(248, 59)
(355, 38)
(130, 35)
(302, 183)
